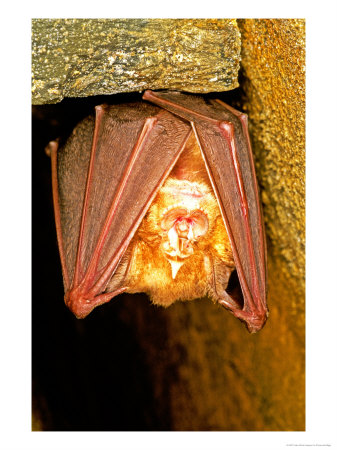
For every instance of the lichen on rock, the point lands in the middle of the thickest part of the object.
(84, 57)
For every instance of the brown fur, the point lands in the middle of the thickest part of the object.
(150, 271)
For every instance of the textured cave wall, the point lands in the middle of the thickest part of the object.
(273, 61)
(193, 366)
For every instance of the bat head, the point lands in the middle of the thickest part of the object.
(182, 228)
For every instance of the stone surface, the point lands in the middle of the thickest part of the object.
(83, 57)
(273, 60)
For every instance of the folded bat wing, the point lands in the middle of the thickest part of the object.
(222, 134)
(125, 146)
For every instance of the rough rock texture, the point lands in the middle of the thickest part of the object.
(83, 57)
(273, 60)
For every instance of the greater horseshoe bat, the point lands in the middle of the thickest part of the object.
(160, 196)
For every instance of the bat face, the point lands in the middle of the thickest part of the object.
(161, 199)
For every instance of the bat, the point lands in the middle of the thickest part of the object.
(160, 196)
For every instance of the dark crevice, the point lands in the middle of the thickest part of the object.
(234, 289)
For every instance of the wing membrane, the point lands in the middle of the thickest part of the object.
(127, 154)
(224, 143)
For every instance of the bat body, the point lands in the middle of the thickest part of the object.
(181, 236)
(161, 199)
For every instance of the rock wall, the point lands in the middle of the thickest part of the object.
(83, 57)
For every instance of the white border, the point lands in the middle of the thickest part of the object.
(15, 388)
